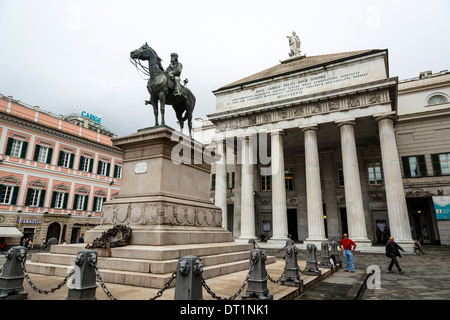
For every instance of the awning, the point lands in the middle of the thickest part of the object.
(9, 232)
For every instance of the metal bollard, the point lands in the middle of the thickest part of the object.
(325, 256)
(311, 262)
(83, 284)
(257, 281)
(189, 279)
(335, 253)
(291, 275)
(11, 280)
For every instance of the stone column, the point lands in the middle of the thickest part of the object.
(247, 190)
(316, 227)
(279, 212)
(395, 194)
(357, 230)
(221, 181)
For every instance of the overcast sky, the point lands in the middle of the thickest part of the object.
(57, 54)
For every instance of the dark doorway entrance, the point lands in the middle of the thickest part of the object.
(420, 209)
(75, 234)
(292, 223)
(344, 227)
(53, 231)
(230, 216)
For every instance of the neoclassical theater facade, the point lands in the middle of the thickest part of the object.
(309, 149)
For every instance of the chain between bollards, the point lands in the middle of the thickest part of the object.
(41, 291)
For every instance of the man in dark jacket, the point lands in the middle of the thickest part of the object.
(392, 251)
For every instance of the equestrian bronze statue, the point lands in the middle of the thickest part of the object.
(164, 86)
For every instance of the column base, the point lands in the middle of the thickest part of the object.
(245, 239)
(362, 243)
(316, 242)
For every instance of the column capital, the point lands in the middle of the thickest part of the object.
(280, 132)
(347, 122)
(383, 116)
(314, 127)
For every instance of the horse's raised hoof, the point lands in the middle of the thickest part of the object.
(147, 102)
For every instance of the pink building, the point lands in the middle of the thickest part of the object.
(55, 174)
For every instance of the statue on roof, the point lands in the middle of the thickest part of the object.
(294, 45)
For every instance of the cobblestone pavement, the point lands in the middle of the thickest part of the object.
(425, 277)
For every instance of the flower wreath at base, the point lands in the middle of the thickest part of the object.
(104, 240)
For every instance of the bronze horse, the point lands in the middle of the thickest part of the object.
(161, 88)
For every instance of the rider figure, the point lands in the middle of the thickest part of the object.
(174, 71)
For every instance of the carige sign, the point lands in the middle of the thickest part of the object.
(90, 116)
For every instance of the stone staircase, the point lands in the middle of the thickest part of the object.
(146, 266)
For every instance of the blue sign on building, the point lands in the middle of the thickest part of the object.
(442, 207)
(92, 117)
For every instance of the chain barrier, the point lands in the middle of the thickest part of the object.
(215, 296)
(32, 285)
(284, 270)
(101, 282)
(111, 297)
(166, 286)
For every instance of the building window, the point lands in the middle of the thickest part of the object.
(213, 181)
(35, 198)
(43, 154)
(437, 99)
(103, 168)
(65, 159)
(8, 194)
(441, 164)
(59, 200)
(374, 170)
(230, 180)
(80, 202)
(289, 180)
(98, 204)
(414, 166)
(340, 173)
(16, 148)
(117, 171)
(266, 183)
(85, 164)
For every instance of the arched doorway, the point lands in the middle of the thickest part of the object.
(53, 231)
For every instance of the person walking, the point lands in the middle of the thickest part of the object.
(348, 246)
(392, 251)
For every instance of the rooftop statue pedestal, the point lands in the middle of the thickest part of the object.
(164, 197)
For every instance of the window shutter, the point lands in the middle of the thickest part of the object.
(80, 165)
(94, 206)
(115, 170)
(60, 159)
(91, 164)
(23, 153)
(108, 166)
(422, 166)
(437, 171)
(42, 198)
(14, 195)
(72, 158)
(99, 167)
(66, 196)
(49, 155)
(86, 199)
(36, 152)
(52, 204)
(28, 198)
(75, 200)
(9, 146)
(406, 167)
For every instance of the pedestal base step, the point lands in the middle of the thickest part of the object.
(146, 266)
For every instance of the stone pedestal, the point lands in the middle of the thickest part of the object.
(164, 196)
